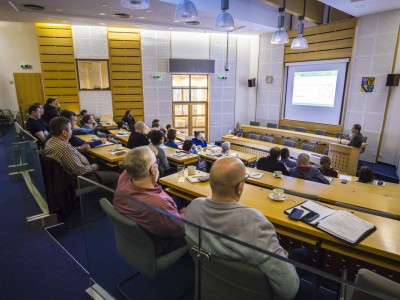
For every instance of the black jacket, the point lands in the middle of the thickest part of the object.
(271, 165)
(137, 139)
(50, 112)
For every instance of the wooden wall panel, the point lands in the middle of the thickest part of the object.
(125, 71)
(58, 64)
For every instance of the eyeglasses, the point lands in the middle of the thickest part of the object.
(244, 179)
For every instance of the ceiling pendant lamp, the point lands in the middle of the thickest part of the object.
(300, 42)
(186, 12)
(135, 4)
(227, 66)
(224, 21)
(280, 36)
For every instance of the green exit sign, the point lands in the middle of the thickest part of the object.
(26, 66)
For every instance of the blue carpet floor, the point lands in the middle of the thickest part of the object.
(381, 171)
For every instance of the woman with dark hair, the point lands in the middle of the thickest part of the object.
(285, 158)
(157, 139)
(199, 140)
(171, 136)
(188, 147)
(83, 113)
(325, 168)
(129, 119)
(51, 110)
(366, 175)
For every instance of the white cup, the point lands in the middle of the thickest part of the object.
(213, 151)
(278, 174)
(118, 147)
(191, 170)
(278, 193)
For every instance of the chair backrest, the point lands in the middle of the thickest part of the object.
(289, 143)
(295, 193)
(254, 123)
(254, 136)
(286, 127)
(308, 147)
(369, 280)
(326, 151)
(272, 125)
(269, 139)
(340, 134)
(300, 129)
(132, 241)
(229, 279)
(321, 132)
(368, 211)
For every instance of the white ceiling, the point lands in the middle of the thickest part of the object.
(251, 16)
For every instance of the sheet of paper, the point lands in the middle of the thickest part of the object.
(256, 175)
(345, 177)
(322, 210)
(105, 144)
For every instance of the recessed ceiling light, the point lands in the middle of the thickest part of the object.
(141, 18)
(122, 16)
(176, 21)
(360, 6)
(105, 4)
(148, 11)
(103, 24)
(58, 9)
(102, 14)
(64, 21)
(170, 28)
(33, 6)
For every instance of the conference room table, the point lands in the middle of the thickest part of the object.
(344, 193)
(382, 247)
(213, 153)
(310, 137)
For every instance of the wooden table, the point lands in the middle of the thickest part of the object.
(245, 157)
(123, 138)
(104, 153)
(382, 246)
(180, 160)
(345, 193)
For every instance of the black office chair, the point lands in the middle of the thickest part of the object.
(286, 127)
(254, 123)
(268, 139)
(340, 135)
(326, 151)
(308, 147)
(229, 279)
(289, 143)
(321, 132)
(298, 194)
(254, 136)
(272, 125)
(136, 247)
(300, 129)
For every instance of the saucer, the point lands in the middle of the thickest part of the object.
(271, 196)
(277, 176)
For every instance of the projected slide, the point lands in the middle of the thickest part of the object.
(314, 88)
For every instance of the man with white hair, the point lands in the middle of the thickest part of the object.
(303, 170)
(138, 138)
(139, 180)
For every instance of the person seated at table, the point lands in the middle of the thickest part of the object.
(91, 127)
(82, 113)
(157, 139)
(303, 170)
(41, 109)
(325, 163)
(51, 110)
(34, 126)
(139, 180)
(366, 175)
(223, 213)
(238, 131)
(171, 137)
(129, 119)
(225, 147)
(199, 140)
(137, 137)
(73, 162)
(188, 147)
(357, 139)
(285, 158)
(271, 163)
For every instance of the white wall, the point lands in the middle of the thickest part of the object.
(18, 46)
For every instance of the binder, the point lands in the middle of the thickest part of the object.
(338, 223)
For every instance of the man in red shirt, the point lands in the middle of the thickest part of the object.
(138, 188)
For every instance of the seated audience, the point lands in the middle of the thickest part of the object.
(44, 124)
(271, 163)
(129, 119)
(366, 175)
(238, 131)
(155, 124)
(51, 110)
(157, 139)
(91, 127)
(357, 139)
(305, 171)
(34, 126)
(325, 168)
(199, 140)
(73, 162)
(171, 136)
(139, 180)
(285, 158)
(224, 214)
(188, 147)
(83, 113)
(225, 147)
(137, 137)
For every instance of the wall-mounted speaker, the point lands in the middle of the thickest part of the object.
(392, 80)
(252, 82)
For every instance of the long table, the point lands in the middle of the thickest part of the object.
(345, 193)
(382, 247)
(208, 156)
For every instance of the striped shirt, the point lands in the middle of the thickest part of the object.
(67, 156)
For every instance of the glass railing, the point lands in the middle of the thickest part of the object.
(122, 262)
(22, 158)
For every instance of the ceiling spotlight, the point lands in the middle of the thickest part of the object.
(122, 16)
(186, 11)
(135, 4)
(33, 6)
(224, 21)
(280, 36)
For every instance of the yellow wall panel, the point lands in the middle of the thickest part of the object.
(47, 66)
(54, 41)
(124, 44)
(125, 68)
(127, 98)
(56, 50)
(126, 60)
(128, 105)
(58, 75)
(124, 52)
(331, 54)
(126, 75)
(54, 58)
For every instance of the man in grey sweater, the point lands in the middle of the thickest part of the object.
(224, 214)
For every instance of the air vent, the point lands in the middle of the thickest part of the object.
(192, 23)
(33, 6)
(122, 16)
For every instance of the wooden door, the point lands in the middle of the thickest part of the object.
(29, 90)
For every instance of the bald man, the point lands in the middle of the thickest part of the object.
(224, 214)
